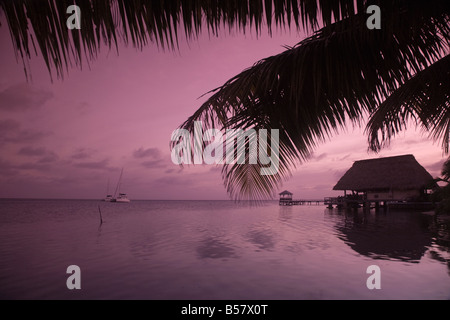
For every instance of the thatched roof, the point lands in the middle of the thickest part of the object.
(285, 192)
(401, 172)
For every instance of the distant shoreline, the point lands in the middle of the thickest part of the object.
(100, 200)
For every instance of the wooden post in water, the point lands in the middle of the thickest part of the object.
(100, 211)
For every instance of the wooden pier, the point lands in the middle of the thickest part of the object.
(299, 202)
(334, 201)
(349, 201)
(286, 200)
(360, 201)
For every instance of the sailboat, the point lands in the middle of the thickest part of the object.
(108, 197)
(123, 198)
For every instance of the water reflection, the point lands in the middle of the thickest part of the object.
(142, 249)
(440, 250)
(385, 235)
(215, 248)
(262, 238)
(285, 213)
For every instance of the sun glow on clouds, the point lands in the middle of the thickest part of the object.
(66, 139)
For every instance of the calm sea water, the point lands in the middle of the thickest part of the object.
(218, 250)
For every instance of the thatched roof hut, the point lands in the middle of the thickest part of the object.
(286, 195)
(385, 175)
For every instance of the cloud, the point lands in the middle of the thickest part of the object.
(22, 97)
(81, 154)
(33, 166)
(158, 163)
(153, 157)
(147, 153)
(16, 169)
(45, 155)
(321, 187)
(339, 173)
(319, 157)
(415, 141)
(48, 158)
(435, 169)
(30, 151)
(7, 169)
(98, 165)
(83, 108)
(179, 180)
(29, 136)
(63, 180)
(437, 166)
(8, 125)
(342, 158)
(10, 131)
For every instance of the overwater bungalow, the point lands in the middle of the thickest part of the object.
(396, 180)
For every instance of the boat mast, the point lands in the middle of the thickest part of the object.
(118, 184)
(107, 188)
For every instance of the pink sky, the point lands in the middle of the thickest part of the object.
(67, 138)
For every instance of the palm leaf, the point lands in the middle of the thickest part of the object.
(446, 171)
(315, 88)
(141, 22)
(424, 99)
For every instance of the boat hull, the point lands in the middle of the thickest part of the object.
(123, 200)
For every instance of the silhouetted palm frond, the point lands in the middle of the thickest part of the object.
(40, 25)
(425, 99)
(339, 75)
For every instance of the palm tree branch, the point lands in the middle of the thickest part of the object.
(157, 21)
(311, 90)
(425, 99)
